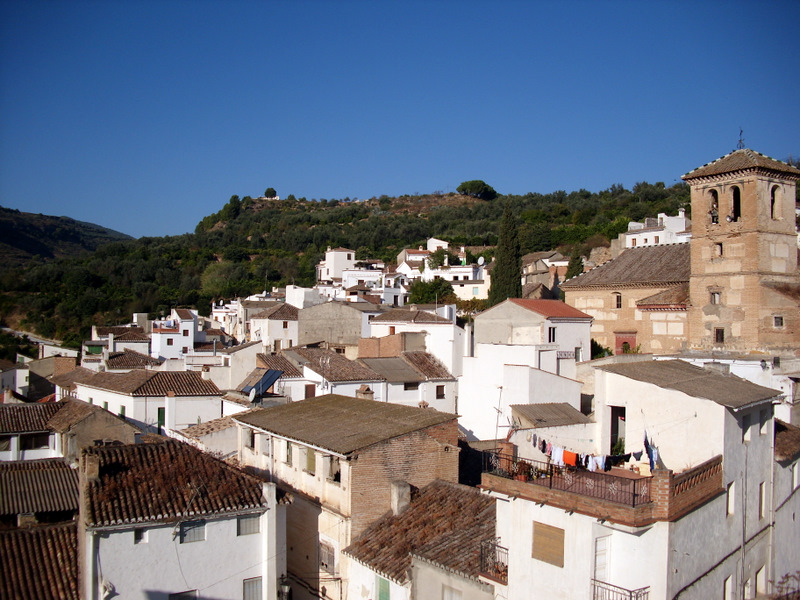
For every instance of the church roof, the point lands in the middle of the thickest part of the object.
(741, 160)
(648, 265)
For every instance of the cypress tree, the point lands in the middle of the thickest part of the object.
(507, 272)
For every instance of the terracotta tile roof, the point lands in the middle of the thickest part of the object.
(39, 563)
(444, 524)
(428, 365)
(336, 367)
(651, 265)
(787, 441)
(132, 336)
(342, 424)
(164, 481)
(117, 330)
(202, 429)
(674, 297)
(551, 308)
(155, 383)
(404, 315)
(185, 314)
(22, 418)
(130, 359)
(741, 160)
(281, 312)
(69, 379)
(72, 411)
(549, 414)
(235, 349)
(276, 362)
(727, 390)
(35, 486)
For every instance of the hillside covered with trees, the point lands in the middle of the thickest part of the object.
(256, 243)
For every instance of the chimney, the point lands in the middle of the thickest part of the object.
(365, 393)
(401, 496)
(91, 467)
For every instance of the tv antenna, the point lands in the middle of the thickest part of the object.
(740, 144)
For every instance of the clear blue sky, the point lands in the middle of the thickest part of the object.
(145, 116)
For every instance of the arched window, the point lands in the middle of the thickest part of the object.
(713, 209)
(736, 205)
(775, 202)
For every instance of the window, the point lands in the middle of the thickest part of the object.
(655, 240)
(762, 500)
(440, 392)
(383, 588)
(718, 250)
(551, 335)
(327, 557)
(474, 291)
(736, 204)
(193, 531)
(714, 211)
(183, 595)
(719, 335)
(730, 506)
(185, 333)
(633, 243)
(774, 202)
(311, 461)
(286, 324)
(716, 298)
(122, 411)
(140, 535)
(334, 469)
(578, 354)
(777, 322)
(34, 441)
(250, 438)
(248, 524)
(391, 329)
(185, 349)
(349, 257)
(410, 386)
(289, 453)
(251, 589)
(170, 341)
(449, 593)
(91, 400)
(727, 589)
(548, 544)
(5, 443)
(105, 405)
(617, 300)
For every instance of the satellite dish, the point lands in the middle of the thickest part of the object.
(253, 395)
(481, 260)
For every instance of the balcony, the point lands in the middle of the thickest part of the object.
(619, 496)
(605, 591)
(494, 562)
(630, 490)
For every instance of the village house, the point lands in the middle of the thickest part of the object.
(155, 517)
(57, 429)
(442, 335)
(154, 400)
(427, 547)
(339, 324)
(659, 230)
(336, 260)
(343, 460)
(526, 351)
(328, 372)
(698, 510)
(276, 327)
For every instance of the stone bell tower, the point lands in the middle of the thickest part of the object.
(744, 287)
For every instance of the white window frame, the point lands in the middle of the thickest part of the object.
(248, 525)
(193, 531)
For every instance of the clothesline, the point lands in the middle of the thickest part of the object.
(561, 457)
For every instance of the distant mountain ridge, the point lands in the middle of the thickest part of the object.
(24, 236)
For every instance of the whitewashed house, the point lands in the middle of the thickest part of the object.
(154, 400)
(276, 327)
(700, 524)
(155, 517)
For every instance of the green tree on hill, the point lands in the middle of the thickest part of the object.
(477, 189)
(507, 272)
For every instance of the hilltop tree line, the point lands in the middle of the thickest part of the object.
(254, 244)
